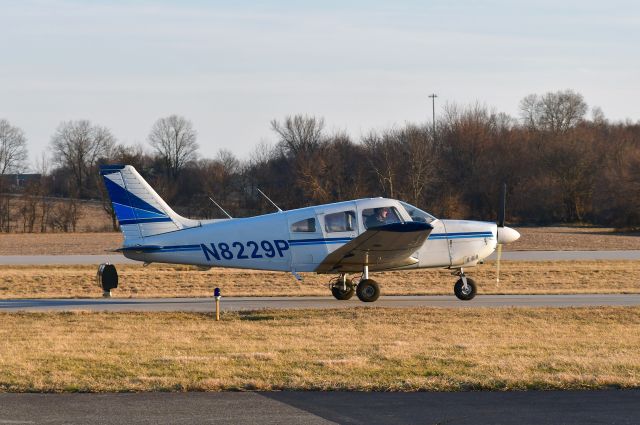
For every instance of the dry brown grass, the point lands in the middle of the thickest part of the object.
(58, 243)
(182, 281)
(91, 215)
(355, 349)
(574, 239)
(533, 238)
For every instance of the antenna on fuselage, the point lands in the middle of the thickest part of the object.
(218, 205)
(267, 198)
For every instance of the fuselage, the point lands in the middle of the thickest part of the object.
(299, 240)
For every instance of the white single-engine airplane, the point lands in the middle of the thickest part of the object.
(354, 237)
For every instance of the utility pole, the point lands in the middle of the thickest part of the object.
(433, 111)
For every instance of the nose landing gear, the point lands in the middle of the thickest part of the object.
(465, 287)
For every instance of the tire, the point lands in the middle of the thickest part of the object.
(340, 294)
(368, 291)
(107, 277)
(457, 289)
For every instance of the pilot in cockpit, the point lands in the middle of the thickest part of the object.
(378, 218)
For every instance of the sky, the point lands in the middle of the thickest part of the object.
(233, 66)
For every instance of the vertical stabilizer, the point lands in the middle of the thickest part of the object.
(139, 209)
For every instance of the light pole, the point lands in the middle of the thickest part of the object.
(433, 111)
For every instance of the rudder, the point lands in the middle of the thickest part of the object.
(139, 209)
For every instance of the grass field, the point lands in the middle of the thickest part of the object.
(356, 349)
(567, 277)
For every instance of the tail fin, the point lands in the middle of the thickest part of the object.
(140, 210)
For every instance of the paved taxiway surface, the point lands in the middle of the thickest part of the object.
(506, 256)
(257, 303)
(522, 407)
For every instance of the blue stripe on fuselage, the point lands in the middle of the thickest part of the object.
(327, 241)
(460, 235)
(321, 241)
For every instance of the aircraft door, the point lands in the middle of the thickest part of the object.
(305, 242)
(339, 227)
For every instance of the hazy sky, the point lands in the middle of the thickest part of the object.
(231, 67)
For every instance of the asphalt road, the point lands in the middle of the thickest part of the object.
(257, 303)
(522, 408)
(506, 256)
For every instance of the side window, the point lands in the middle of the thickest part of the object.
(340, 222)
(306, 225)
(374, 217)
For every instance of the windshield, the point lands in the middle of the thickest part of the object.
(417, 214)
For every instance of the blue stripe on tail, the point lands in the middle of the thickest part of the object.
(129, 208)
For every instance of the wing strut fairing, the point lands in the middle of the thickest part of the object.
(385, 247)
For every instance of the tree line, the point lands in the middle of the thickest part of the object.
(561, 165)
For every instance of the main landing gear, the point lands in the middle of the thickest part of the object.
(465, 287)
(367, 289)
(342, 288)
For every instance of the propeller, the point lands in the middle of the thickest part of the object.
(503, 202)
(500, 223)
(504, 234)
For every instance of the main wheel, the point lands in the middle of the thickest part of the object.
(340, 293)
(368, 290)
(465, 294)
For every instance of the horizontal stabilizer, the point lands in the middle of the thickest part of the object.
(385, 247)
(158, 248)
(141, 248)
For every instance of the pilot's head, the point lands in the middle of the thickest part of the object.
(381, 212)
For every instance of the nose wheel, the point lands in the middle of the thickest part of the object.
(465, 288)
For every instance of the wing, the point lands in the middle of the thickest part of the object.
(385, 247)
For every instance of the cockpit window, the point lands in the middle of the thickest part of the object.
(340, 222)
(307, 225)
(417, 214)
(374, 217)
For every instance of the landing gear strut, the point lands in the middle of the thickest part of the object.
(465, 288)
(368, 290)
(342, 288)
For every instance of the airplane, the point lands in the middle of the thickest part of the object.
(352, 237)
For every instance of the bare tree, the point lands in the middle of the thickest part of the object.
(597, 115)
(555, 112)
(174, 139)
(13, 148)
(299, 134)
(301, 140)
(13, 153)
(529, 110)
(44, 187)
(383, 154)
(420, 153)
(77, 146)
